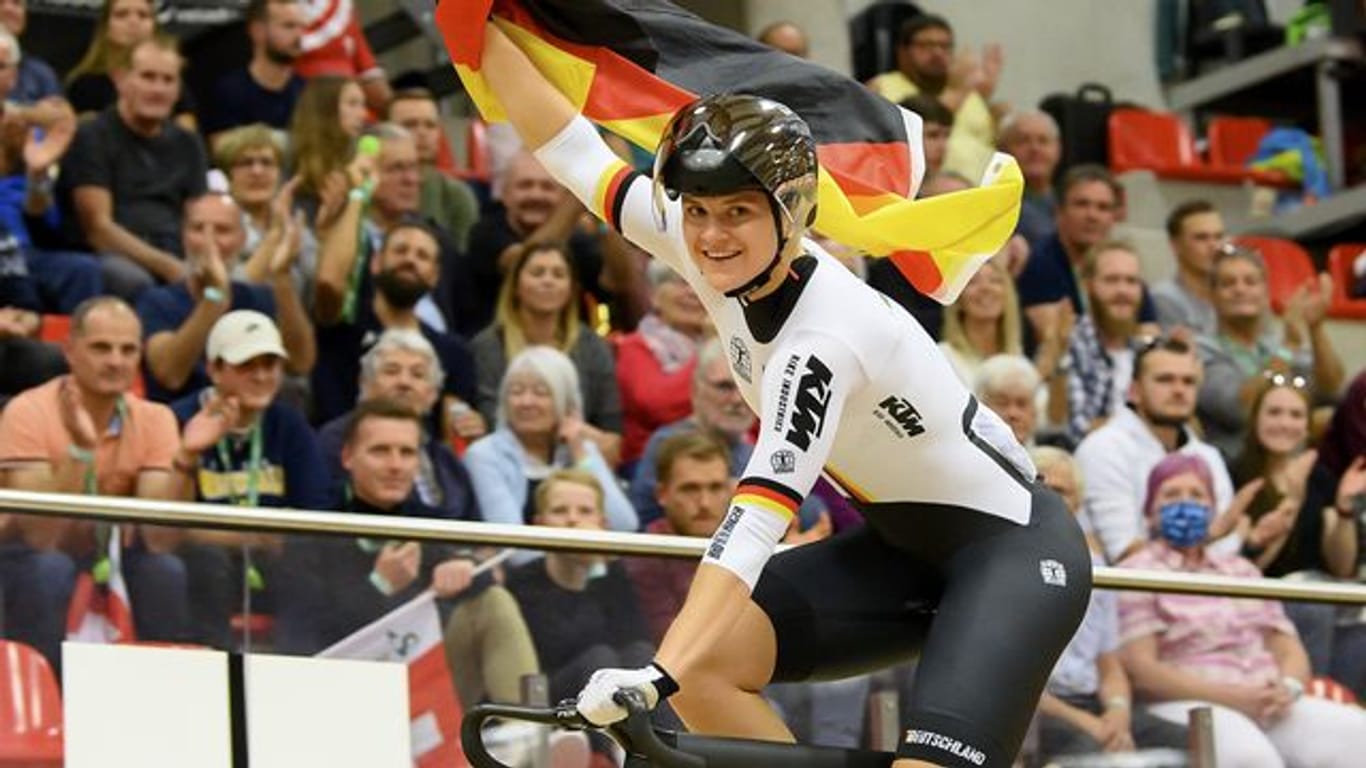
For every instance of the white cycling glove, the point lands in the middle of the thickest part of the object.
(595, 700)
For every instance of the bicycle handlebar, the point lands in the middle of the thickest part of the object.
(635, 734)
(666, 749)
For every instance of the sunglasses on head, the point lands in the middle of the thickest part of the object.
(1292, 380)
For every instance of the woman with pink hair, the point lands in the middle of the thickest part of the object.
(1240, 657)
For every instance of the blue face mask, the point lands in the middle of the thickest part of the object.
(1184, 523)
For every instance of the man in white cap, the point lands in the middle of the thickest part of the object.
(260, 453)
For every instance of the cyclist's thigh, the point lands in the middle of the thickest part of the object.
(1011, 603)
(846, 605)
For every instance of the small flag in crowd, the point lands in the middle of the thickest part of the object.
(411, 635)
(100, 611)
(628, 65)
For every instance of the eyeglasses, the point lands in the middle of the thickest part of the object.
(1279, 379)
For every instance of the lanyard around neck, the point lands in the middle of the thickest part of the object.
(252, 493)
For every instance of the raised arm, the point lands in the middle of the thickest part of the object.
(533, 106)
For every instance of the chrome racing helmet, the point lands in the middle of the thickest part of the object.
(727, 143)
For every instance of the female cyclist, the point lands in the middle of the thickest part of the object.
(966, 559)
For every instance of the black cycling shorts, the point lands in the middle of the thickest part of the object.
(988, 605)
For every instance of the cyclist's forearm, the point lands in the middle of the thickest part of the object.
(715, 601)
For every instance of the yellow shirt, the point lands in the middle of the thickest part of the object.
(973, 138)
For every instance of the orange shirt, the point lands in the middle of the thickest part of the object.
(142, 436)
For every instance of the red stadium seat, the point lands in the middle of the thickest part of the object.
(1142, 139)
(1340, 261)
(477, 166)
(31, 710)
(55, 328)
(1149, 140)
(1288, 266)
(1233, 140)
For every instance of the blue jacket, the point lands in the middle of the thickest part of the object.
(500, 482)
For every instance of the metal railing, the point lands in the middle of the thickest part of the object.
(195, 515)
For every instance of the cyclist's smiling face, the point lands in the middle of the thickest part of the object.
(730, 237)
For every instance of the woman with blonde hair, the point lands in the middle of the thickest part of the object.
(252, 157)
(985, 321)
(122, 25)
(538, 305)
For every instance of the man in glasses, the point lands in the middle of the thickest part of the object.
(717, 408)
(1245, 344)
(925, 64)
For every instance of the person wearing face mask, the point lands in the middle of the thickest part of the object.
(403, 271)
(1088, 706)
(1240, 657)
(540, 429)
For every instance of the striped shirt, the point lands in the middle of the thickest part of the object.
(1220, 639)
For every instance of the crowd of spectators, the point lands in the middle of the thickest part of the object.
(278, 297)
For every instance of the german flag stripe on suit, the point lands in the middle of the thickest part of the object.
(628, 65)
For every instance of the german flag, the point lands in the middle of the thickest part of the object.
(630, 64)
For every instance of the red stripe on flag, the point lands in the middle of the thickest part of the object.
(868, 169)
(622, 90)
(919, 268)
(462, 25)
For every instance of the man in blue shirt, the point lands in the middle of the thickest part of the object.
(266, 89)
(176, 318)
(1089, 203)
(35, 79)
(262, 454)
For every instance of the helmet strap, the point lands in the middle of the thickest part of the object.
(765, 274)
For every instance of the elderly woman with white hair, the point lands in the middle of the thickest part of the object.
(540, 428)
(1009, 385)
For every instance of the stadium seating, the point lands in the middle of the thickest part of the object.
(1161, 142)
(1288, 266)
(1344, 305)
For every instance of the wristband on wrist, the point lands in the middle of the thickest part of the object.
(664, 685)
(214, 294)
(381, 583)
(359, 194)
(83, 455)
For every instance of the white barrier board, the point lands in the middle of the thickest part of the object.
(153, 707)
